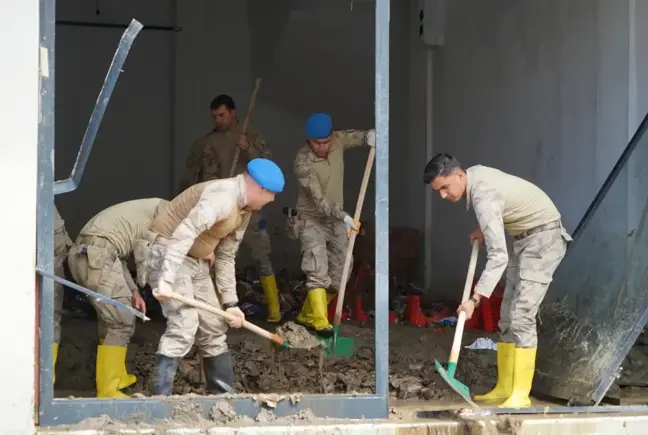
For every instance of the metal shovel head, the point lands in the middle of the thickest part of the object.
(459, 387)
(342, 347)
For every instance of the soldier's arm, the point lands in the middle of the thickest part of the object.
(192, 165)
(351, 138)
(128, 277)
(259, 149)
(308, 181)
(489, 207)
(224, 263)
(214, 205)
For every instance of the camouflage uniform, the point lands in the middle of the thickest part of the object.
(539, 246)
(211, 158)
(504, 202)
(62, 243)
(209, 217)
(98, 260)
(320, 221)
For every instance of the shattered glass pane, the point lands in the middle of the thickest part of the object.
(597, 304)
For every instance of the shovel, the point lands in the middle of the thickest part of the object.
(247, 325)
(343, 346)
(246, 122)
(448, 374)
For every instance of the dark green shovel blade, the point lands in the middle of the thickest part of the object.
(448, 376)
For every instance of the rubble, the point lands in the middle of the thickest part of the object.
(262, 368)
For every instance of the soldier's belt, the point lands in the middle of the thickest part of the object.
(540, 228)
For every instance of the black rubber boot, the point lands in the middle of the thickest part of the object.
(219, 374)
(165, 371)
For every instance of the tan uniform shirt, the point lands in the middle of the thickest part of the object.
(61, 239)
(211, 156)
(126, 227)
(208, 217)
(124, 223)
(504, 202)
(321, 181)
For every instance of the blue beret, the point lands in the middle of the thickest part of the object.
(267, 174)
(318, 126)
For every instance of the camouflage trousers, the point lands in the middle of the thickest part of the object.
(186, 325)
(60, 254)
(257, 240)
(528, 275)
(324, 242)
(94, 264)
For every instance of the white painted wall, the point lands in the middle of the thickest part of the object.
(538, 89)
(18, 160)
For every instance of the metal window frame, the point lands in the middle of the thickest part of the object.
(54, 412)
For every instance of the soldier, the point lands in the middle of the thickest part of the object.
(62, 243)
(211, 158)
(204, 225)
(321, 224)
(505, 202)
(98, 261)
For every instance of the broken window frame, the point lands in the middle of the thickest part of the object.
(53, 411)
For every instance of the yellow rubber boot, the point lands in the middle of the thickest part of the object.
(505, 361)
(523, 371)
(55, 347)
(110, 364)
(269, 285)
(126, 379)
(305, 316)
(317, 298)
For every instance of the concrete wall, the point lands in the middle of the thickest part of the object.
(18, 161)
(542, 90)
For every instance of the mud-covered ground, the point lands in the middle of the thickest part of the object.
(262, 368)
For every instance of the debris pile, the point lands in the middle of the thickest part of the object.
(262, 368)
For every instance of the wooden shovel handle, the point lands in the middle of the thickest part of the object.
(456, 343)
(224, 314)
(246, 122)
(349, 254)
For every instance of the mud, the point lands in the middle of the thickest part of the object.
(262, 368)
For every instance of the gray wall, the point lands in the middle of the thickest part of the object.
(543, 90)
(550, 91)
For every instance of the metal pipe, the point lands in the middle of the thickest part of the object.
(65, 186)
(382, 201)
(97, 296)
(45, 200)
(616, 170)
(115, 25)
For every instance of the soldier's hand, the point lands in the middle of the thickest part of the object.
(163, 291)
(243, 142)
(371, 138)
(467, 307)
(476, 234)
(209, 259)
(138, 302)
(352, 225)
(237, 322)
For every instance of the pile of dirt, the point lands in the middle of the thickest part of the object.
(261, 367)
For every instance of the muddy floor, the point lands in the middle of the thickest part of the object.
(262, 368)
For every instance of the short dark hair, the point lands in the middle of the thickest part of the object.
(223, 100)
(440, 165)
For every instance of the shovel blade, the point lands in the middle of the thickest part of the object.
(343, 348)
(457, 386)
